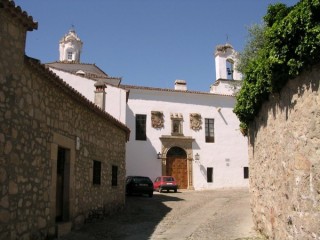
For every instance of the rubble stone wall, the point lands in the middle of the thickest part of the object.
(284, 160)
(36, 117)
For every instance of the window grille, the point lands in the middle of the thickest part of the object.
(209, 125)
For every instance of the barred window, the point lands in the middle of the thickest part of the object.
(209, 123)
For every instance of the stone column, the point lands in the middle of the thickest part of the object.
(190, 173)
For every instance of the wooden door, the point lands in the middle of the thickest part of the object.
(177, 167)
(60, 184)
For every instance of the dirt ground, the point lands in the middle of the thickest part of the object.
(215, 215)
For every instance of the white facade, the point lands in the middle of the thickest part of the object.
(222, 162)
(227, 155)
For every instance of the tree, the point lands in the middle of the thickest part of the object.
(286, 44)
(254, 43)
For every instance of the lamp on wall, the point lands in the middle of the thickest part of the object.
(158, 155)
(197, 157)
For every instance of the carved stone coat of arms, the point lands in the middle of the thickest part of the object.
(195, 121)
(157, 119)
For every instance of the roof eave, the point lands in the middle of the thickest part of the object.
(17, 12)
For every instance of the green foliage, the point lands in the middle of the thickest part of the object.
(287, 43)
(255, 42)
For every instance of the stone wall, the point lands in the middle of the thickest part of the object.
(284, 160)
(38, 115)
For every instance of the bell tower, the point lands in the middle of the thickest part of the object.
(228, 79)
(70, 47)
(226, 59)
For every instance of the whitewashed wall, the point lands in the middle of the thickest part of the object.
(115, 97)
(141, 156)
(221, 64)
(228, 87)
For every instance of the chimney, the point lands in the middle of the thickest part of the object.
(180, 85)
(100, 94)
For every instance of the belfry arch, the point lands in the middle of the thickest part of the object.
(176, 154)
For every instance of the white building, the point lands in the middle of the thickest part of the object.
(191, 135)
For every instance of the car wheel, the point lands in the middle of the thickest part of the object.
(175, 190)
(160, 189)
(151, 194)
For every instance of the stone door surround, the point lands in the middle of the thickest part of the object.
(183, 142)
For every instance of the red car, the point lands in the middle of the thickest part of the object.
(165, 183)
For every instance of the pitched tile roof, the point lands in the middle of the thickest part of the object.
(16, 12)
(50, 76)
(86, 70)
(128, 87)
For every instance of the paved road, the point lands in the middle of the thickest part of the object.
(186, 215)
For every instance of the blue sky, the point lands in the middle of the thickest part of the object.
(146, 42)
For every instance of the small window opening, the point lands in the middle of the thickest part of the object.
(246, 172)
(209, 174)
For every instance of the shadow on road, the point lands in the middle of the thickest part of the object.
(137, 220)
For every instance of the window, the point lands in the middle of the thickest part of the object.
(114, 180)
(70, 56)
(176, 124)
(209, 123)
(176, 127)
(245, 172)
(141, 127)
(96, 180)
(209, 174)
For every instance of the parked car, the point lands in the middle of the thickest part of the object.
(139, 185)
(165, 183)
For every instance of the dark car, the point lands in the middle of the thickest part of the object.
(139, 185)
(165, 183)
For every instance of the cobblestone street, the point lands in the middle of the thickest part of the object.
(216, 214)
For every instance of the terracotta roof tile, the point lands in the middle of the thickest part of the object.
(16, 12)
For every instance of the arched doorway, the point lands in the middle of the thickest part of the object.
(176, 166)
